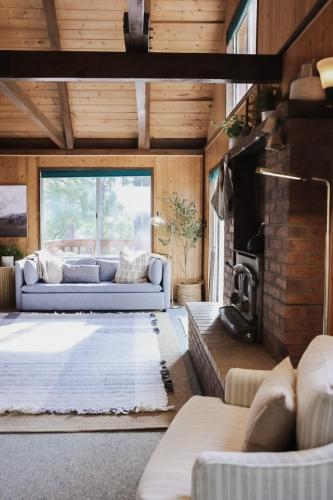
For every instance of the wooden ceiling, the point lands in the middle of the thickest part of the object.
(178, 111)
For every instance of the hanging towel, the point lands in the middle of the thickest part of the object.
(222, 198)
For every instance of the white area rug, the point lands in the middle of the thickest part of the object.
(80, 363)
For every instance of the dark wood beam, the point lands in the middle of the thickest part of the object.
(136, 27)
(25, 104)
(43, 143)
(80, 66)
(142, 90)
(54, 37)
(102, 152)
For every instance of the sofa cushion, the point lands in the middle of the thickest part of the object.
(107, 269)
(315, 394)
(81, 261)
(272, 416)
(80, 274)
(30, 272)
(203, 424)
(102, 287)
(132, 268)
(155, 271)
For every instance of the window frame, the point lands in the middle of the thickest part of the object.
(99, 172)
(243, 9)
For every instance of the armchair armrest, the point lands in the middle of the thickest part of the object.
(297, 475)
(241, 386)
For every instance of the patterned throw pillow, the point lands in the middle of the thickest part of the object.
(132, 268)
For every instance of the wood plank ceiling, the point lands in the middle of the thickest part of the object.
(179, 112)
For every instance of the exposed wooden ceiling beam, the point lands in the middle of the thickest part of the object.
(142, 90)
(150, 67)
(25, 104)
(136, 27)
(136, 35)
(54, 37)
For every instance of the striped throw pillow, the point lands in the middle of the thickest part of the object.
(132, 268)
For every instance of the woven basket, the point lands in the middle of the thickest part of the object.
(190, 292)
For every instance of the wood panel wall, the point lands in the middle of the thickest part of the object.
(276, 22)
(181, 174)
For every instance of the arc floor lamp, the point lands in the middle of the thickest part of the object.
(266, 171)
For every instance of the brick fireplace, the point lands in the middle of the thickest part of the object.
(294, 213)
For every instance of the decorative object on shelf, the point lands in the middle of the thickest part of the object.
(9, 254)
(264, 102)
(7, 261)
(185, 228)
(256, 243)
(13, 211)
(307, 87)
(271, 127)
(325, 68)
(232, 126)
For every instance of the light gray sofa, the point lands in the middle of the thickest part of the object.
(102, 296)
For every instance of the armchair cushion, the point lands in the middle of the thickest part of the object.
(301, 475)
(272, 416)
(315, 394)
(203, 423)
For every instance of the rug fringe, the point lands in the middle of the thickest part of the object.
(73, 411)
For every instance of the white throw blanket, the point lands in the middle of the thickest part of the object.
(49, 268)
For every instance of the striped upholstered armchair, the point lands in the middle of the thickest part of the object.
(201, 457)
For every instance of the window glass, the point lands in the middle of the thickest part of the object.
(96, 215)
(242, 39)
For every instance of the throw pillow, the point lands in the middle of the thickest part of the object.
(107, 269)
(30, 272)
(80, 274)
(314, 425)
(132, 268)
(272, 416)
(155, 271)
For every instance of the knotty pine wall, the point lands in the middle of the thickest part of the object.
(181, 174)
(276, 22)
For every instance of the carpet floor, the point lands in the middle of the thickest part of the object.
(82, 466)
(85, 466)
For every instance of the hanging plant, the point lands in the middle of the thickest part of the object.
(232, 126)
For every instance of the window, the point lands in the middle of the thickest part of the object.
(241, 39)
(216, 231)
(96, 212)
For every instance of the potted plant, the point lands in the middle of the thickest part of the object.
(232, 126)
(265, 101)
(9, 253)
(185, 228)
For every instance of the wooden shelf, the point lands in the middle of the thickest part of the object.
(255, 142)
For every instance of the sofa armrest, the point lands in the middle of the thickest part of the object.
(166, 282)
(298, 475)
(241, 386)
(19, 282)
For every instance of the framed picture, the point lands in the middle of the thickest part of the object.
(13, 211)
